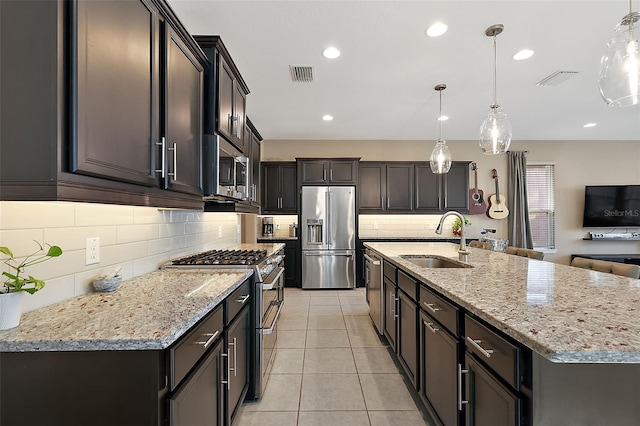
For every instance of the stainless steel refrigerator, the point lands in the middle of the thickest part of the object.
(328, 222)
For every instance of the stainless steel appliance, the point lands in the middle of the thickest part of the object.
(267, 301)
(267, 226)
(328, 220)
(373, 281)
(226, 171)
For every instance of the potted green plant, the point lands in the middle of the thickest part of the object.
(16, 283)
(456, 227)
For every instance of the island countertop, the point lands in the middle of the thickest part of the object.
(564, 313)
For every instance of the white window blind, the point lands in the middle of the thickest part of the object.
(541, 198)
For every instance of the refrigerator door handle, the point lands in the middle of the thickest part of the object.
(328, 253)
(328, 218)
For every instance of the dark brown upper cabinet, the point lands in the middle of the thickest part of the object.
(372, 188)
(335, 171)
(253, 141)
(225, 94)
(279, 188)
(90, 115)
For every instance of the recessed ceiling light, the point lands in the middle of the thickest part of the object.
(331, 53)
(590, 125)
(523, 54)
(443, 118)
(327, 117)
(437, 29)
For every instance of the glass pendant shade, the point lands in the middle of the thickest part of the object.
(440, 160)
(495, 132)
(619, 78)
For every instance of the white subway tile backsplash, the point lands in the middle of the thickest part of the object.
(101, 214)
(20, 241)
(29, 215)
(133, 233)
(75, 238)
(147, 215)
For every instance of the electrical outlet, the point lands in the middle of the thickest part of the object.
(92, 251)
(219, 231)
(375, 225)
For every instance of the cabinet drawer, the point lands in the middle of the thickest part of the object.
(237, 300)
(495, 351)
(408, 285)
(389, 271)
(446, 313)
(186, 353)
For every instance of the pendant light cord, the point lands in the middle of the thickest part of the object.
(495, 73)
(440, 117)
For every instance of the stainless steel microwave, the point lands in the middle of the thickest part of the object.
(226, 170)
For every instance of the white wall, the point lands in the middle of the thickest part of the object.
(578, 163)
(137, 238)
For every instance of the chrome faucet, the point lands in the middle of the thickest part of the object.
(463, 253)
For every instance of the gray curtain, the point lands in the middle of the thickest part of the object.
(518, 219)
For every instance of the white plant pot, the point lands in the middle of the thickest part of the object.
(10, 309)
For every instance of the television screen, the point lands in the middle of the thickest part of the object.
(611, 206)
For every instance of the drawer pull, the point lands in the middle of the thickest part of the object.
(431, 327)
(476, 344)
(243, 299)
(235, 356)
(432, 307)
(460, 373)
(228, 381)
(210, 338)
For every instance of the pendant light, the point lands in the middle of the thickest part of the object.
(440, 160)
(495, 131)
(619, 80)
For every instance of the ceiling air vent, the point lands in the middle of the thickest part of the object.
(556, 78)
(302, 73)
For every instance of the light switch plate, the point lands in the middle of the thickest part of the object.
(92, 251)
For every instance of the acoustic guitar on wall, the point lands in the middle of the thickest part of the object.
(477, 205)
(497, 204)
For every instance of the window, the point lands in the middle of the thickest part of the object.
(540, 195)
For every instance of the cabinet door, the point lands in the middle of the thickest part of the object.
(238, 359)
(270, 187)
(343, 171)
(456, 188)
(114, 107)
(428, 189)
(225, 99)
(314, 171)
(238, 120)
(289, 197)
(290, 264)
(490, 403)
(200, 400)
(183, 116)
(408, 336)
(372, 187)
(438, 370)
(390, 307)
(399, 187)
(255, 168)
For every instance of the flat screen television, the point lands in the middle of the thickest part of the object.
(611, 206)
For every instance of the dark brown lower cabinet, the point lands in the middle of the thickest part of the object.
(438, 370)
(407, 339)
(490, 403)
(237, 362)
(200, 399)
(390, 308)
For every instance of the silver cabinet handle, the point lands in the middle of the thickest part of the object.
(211, 338)
(174, 175)
(331, 174)
(162, 171)
(393, 297)
(234, 357)
(431, 327)
(236, 127)
(382, 201)
(372, 260)
(324, 174)
(460, 373)
(243, 299)
(396, 308)
(432, 307)
(476, 344)
(228, 381)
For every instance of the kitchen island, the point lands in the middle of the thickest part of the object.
(580, 329)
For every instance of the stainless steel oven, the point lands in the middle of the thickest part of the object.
(267, 302)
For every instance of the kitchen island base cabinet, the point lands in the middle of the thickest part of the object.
(237, 363)
(407, 342)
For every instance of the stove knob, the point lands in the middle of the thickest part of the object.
(267, 269)
(278, 259)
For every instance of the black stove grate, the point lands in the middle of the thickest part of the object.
(223, 257)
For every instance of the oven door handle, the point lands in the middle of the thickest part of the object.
(275, 321)
(273, 281)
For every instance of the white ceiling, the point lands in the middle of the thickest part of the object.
(381, 87)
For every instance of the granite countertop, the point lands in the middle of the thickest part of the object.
(566, 314)
(147, 312)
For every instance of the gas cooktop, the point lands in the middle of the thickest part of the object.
(223, 257)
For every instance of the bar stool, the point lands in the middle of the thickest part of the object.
(523, 252)
(622, 269)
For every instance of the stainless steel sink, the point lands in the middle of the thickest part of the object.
(434, 262)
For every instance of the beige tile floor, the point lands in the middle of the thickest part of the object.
(331, 368)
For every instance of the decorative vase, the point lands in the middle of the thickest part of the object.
(10, 309)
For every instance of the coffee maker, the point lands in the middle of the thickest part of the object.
(267, 226)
